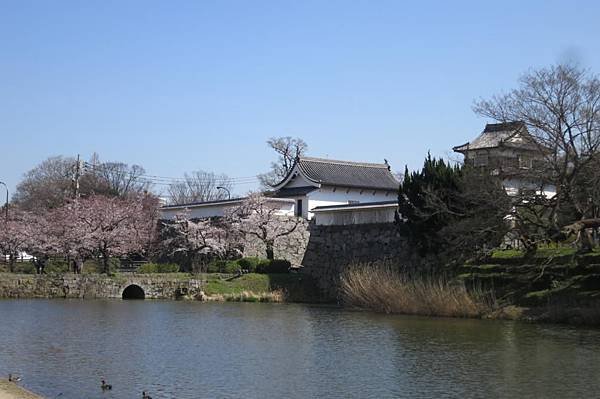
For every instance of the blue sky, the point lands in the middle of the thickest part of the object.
(177, 86)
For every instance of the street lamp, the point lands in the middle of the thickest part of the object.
(226, 189)
(6, 205)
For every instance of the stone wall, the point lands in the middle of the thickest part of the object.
(95, 286)
(332, 249)
(324, 251)
(291, 247)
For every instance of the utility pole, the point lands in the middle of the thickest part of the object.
(76, 176)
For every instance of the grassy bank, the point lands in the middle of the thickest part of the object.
(253, 287)
(381, 288)
(555, 277)
(556, 284)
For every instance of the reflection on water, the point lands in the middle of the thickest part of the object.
(230, 350)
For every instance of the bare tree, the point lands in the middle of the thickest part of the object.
(260, 217)
(114, 179)
(47, 185)
(51, 183)
(200, 186)
(288, 149)
(560, 106)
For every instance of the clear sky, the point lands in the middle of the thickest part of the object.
(178, 86)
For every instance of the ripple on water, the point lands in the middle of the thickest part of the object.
(231, 350)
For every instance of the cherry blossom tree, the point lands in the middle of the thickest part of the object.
(259, 216)
(192, 241)
(110, 226)
(15, 235)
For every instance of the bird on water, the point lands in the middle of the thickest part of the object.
(105, 386)
(13, 378)
(145, 395)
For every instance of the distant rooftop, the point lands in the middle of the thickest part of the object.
(510, 134)
(217, 202)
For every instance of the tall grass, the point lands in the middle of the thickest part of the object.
(383, 288)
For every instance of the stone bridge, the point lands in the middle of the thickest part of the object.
(135, 286)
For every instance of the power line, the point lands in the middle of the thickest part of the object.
(163, 180)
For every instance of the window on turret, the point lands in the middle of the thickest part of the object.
(525, 162)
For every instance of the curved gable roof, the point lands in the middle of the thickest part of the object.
(345, 173)
(509, 134)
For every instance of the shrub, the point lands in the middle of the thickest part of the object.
(223, 266)
(273, 266)
(168, 268)
(149, 268)
(57, 266)
(91, 266)
(249, 263)
(25, 268)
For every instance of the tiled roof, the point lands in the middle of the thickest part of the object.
(510, 134)
(215, 202)
(348, 174)
(206, 203)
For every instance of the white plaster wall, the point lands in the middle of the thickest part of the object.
(193, 212)
(326, 196)
(512, 187)
(299, 181)
(355, 216)
(217, 210)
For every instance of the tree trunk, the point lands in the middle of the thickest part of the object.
(105, 262)
(78, 265)
(11, 263)
(269, 250)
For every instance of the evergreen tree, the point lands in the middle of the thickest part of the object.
(451, 212)
(436, 181)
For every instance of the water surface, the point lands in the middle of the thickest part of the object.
(188, 350)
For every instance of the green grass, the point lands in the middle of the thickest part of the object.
(552, 252)
(542, 252)
(506, 254)
(294, 287)
(217, 285)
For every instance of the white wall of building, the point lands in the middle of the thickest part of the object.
(337, 217)
(512, 187)
(202, 211)
(326, 196)
(299, 181)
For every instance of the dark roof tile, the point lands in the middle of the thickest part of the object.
(510, 134)
(348, 174)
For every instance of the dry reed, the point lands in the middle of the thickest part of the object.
(382, 288)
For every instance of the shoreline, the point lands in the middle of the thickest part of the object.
(11, 390)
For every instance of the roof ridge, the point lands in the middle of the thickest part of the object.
(504, 127)
(341, 162)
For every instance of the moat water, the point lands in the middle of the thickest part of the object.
(189, 350)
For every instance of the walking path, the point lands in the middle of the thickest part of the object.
(10, 390)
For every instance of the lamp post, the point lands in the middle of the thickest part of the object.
(226, 189)
(5, 205)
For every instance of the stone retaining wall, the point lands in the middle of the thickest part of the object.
(332, 249)
(94, 286)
